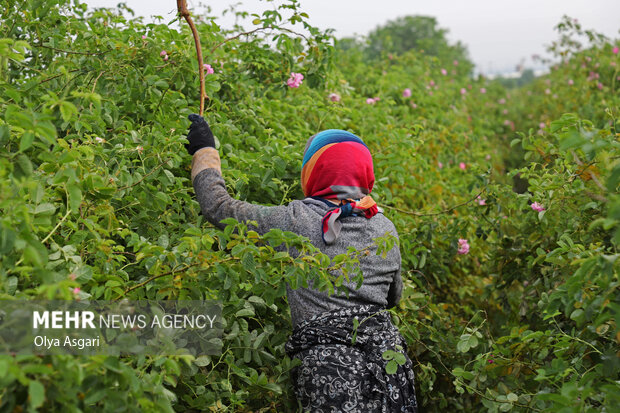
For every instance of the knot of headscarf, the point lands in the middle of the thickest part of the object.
(337, 165)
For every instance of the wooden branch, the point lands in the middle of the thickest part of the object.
(237, 36)
(41, 45)
(154, 277)
(284, 29)
(182, 8)
(418, 214)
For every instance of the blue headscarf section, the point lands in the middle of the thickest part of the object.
(327, 137)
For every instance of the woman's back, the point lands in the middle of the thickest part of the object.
(340, 340)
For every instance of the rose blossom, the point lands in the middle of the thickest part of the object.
(334, 97)
(295, 80)
(463, 246)
(208, 69)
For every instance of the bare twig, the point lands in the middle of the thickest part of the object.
(143, 178)
(592, 175)
(214, 48)
(418, 214)
(154, 277)
(182, 8)
(56, 227)
(284, 29)
(70, 51)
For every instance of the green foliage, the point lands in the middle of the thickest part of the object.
(95, 193)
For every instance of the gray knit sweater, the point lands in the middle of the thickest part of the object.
(382, 283)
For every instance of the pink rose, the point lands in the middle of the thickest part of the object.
(334, 97)
(295, 80)
(143, 37)
(208, 69)
(76, 290)
(570, 82)
(406, 93)
(440, 165)
(463, 91)
(463, 246)
(163, 53)
(537, 207)
(444, 72)
(370, 101)
(483, 90)
(462, 165)
(615, 50)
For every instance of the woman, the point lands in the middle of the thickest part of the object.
(342, 366)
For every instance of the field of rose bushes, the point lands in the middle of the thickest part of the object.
(506, 201)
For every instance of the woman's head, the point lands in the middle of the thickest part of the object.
(337, 165)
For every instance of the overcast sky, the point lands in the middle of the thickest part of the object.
(497, 33)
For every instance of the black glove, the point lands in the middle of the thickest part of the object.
(199, 135)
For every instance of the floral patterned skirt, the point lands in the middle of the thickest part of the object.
(342, 365)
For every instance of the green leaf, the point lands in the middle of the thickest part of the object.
(4, 367)
(67, 110)
(75, 196)
(36, 393)
(245, 312)
(202, 361)
(462, 346)
(23, 166)
(44, 209)
(505, 407)
(35, 254)
(26, 141)
(400, 358)
(391, 367)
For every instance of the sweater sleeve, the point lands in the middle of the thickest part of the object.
(396, 287)
(216, 204)
(395, 291)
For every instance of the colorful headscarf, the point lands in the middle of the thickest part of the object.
(337, 165)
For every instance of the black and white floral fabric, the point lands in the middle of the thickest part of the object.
(342, 368)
